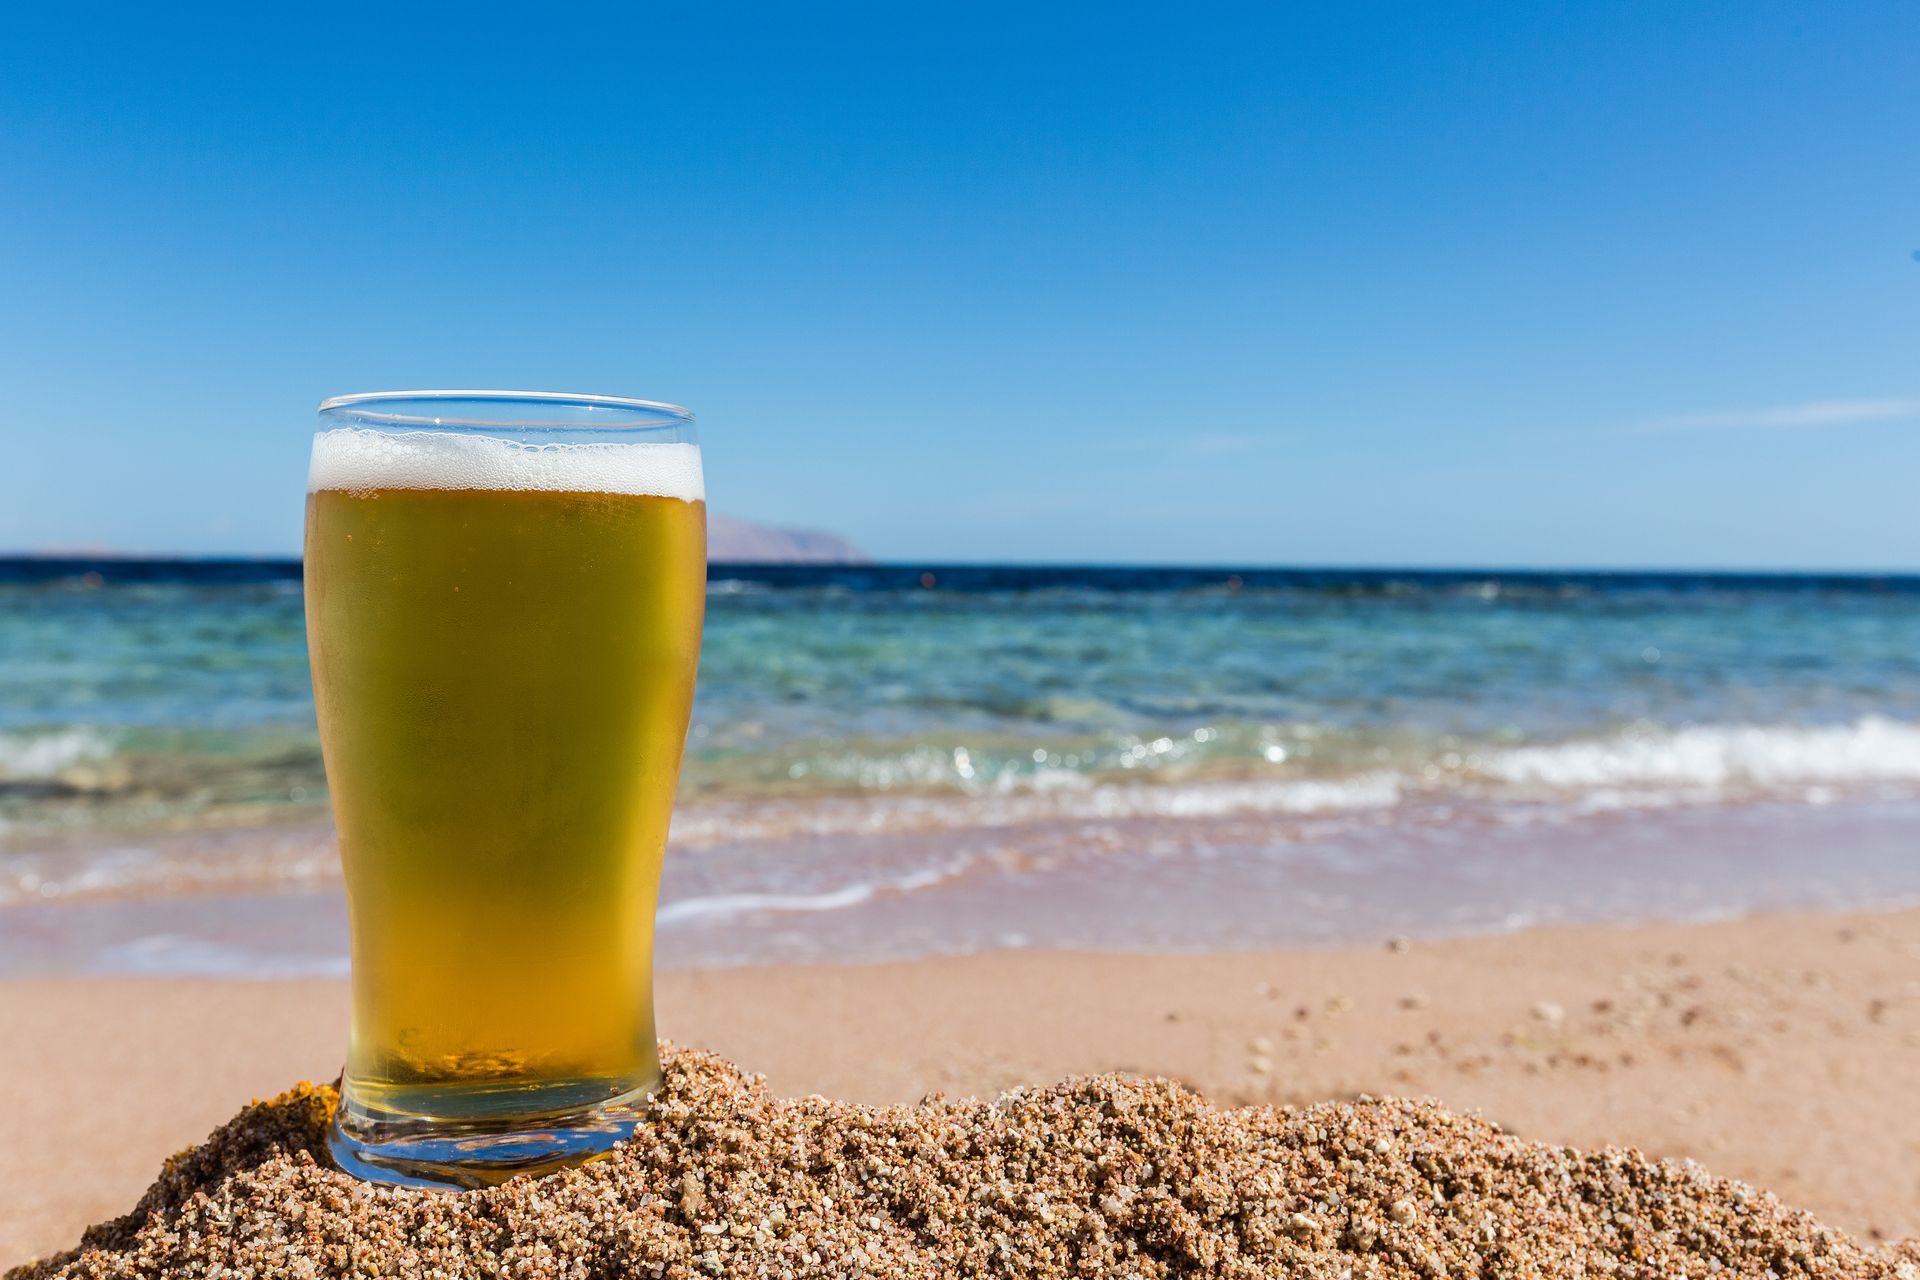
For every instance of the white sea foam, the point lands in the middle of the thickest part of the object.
(51, 753)
(726, 905)
(1872, 749)
(354, 458)
(1054, 799)
(1219, 799)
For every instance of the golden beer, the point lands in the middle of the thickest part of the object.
(503, 661)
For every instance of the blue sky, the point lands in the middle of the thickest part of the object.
(1466, 284)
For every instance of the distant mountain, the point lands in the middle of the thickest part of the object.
(731, 539)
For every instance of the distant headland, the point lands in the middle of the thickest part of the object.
(737, 540)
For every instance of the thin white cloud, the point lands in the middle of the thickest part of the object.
(1814, 413)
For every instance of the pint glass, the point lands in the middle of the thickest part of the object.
(504, 597)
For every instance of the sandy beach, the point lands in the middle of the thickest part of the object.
(1203, 643)
(1779, 1050)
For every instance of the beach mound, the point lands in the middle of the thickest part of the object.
(1104, 1176)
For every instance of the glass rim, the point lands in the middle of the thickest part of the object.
(365, 405)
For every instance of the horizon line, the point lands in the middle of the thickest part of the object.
(1226, 567)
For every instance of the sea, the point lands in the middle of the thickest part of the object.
(901, 760)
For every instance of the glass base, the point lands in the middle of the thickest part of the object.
(480, 1148)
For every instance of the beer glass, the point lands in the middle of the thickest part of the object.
(504, 597)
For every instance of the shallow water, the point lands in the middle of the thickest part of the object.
(853, 894)
(1021, 756)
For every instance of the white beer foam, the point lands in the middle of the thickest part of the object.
(355, 458)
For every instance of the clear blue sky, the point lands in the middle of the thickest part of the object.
(1423, 284)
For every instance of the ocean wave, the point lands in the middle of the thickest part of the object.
(1217, 799)
(1003, 762)
(49, 753)
(1432, 783)
(1871, 749)
(1057, 798)
(1304, 769)
(728, 905)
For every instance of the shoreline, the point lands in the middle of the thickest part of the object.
(1765, 1048)
(749, 884)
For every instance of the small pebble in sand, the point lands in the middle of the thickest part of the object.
(1260, 1044)
(1413, 1000)
(1550, 1013)
(1398, 945)
(1260, 1066)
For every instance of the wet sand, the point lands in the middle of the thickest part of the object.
(1779, 1050)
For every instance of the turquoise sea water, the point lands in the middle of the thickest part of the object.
(180, 693)
(900, 759)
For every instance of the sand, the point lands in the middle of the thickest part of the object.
(1777, 1050)
(1108, 1175)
